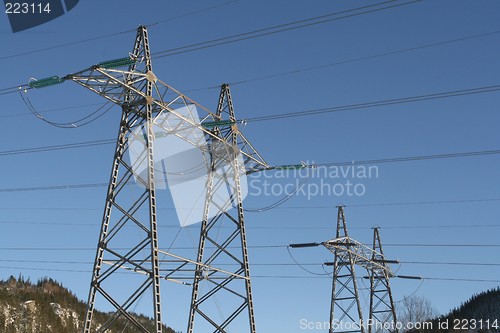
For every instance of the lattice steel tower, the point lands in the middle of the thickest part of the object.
(382, 308)
(227, 246)
(346, 313)
(128, 240)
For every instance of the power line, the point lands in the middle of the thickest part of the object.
(257, 276)
(232, 38)
(349, 107)
(440, 245)
(424, 202)
(403, 100)
(322, 66)
(56, 147)
(65, 262)
(44, 223)
(73, 124)
(358, 59)
(86, 40)
(13, 90)
(449, 263)
(357, 106)
(50, 110)
(460, 280)
(359, 162)
(270, 246)
(52, 187)
(237, 37)
(54, 47)
(413, 158)
(429, 202)
(373, 161)
(279, 28)
(410, 99)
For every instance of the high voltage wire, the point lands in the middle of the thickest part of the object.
(56, 147)
(300, 70)
(90, 118)
(460, 280)
(449, 263)
(348, 61)
(413, 158)
(234, 38)
(396, 204)
(51, 110)
(403, 100)
(86, 40)
(373, 161)
(410, 99)
(349, 107)
(275, 246)
(14, 89)
(63, 262)
(53, 187)
(257, 276)
(319, 207)
(54, 47)
(423, 202)
(441, 245)
(279, 28)
(259, 227)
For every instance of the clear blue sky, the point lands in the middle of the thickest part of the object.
(35, 224)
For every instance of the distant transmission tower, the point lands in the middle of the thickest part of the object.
(382, 308)
(128, 240)
(346, 314)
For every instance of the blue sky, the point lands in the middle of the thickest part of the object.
(53, 232)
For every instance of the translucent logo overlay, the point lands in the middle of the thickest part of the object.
(193, 166)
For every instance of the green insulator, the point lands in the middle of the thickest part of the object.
(220, 123)
(289, 167)
(48, 81)
(117, 63)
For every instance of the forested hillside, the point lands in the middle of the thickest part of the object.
(48, 307)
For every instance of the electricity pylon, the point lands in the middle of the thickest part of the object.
(226, 246)
(128, 240)
(135, 247)
(345, 296)
(346, 314)
(382, 308)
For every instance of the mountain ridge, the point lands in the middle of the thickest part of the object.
(48, 307)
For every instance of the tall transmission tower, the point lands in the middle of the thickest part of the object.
(128, 239)
(225, 245)
(346, 313)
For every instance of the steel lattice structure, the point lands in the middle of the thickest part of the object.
(225, 246)
(128, 240)
(346, 314)
(382, 308)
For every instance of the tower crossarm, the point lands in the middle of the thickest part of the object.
(114, 84)
(362, 255)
